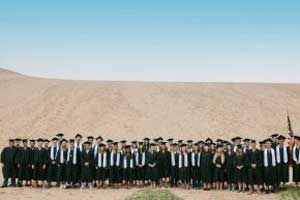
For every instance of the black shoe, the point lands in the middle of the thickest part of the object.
(4, 186)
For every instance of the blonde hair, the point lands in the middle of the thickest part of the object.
(222, 157)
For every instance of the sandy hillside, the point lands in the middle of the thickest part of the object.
(38, 107)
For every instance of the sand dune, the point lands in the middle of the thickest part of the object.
(36, 107)
(33, 107)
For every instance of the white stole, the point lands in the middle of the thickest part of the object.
(52, 153)
(125, 162)
(62, 160)
(285, 154)
(112, 158)
(266, 164)
(74, 155)
(295, 156)
(180, 160)
(100, 164)
(185, 160)
(137, 158)
(193, 159)
(173, 159)
(198, 161)
(185, 156)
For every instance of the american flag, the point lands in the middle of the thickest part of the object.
(290, 136)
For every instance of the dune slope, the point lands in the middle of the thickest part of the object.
(38, 107)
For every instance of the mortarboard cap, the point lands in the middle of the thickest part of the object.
(281, 137)
(59, 134)
(99, 138)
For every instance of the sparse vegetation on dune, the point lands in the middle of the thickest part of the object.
(290, 193)
(149, 194)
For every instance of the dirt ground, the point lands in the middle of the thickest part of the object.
(120, 194)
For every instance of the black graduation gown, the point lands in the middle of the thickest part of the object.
(219, 171)
(239, 174)
(254, 174)
(72, 168)
(184, 170)
(39, 161)
(229, 167)
(8, 156)
(102, 168)
(152, 171)
(128, 169)
(24, 163)
(164, 158)
(62, 166)
(86, 170)
(296, 167)
(174, 168)
(31, 160)
(115, 167)
(206, 166)
(270, 170)
(16, 168)
(140, 166)
(282, 167)
(52, 165)
(194, 168)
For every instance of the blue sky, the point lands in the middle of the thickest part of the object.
(192, 40)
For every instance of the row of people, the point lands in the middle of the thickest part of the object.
(237, 165)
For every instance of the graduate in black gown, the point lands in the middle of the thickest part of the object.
(17, 146)
(164, 158)
(206, 166)
(39, 164)
(219, 162)
(61, 162)
(229, 166)
(8, 156)
(152, 168)
(101, 163)
(47, 149)
(239, 166)
(31, 147)
(52, 165)
(262, 147)
(269, 166)
(282, 159)
(253, 163)
(128, 166)
(194, 165)
(115, 166)
(87, 164)
(296, 161)
(184, 167)
(174, 152)
(73, 156)
(140, 160)
(79, 147)
(24, 164)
